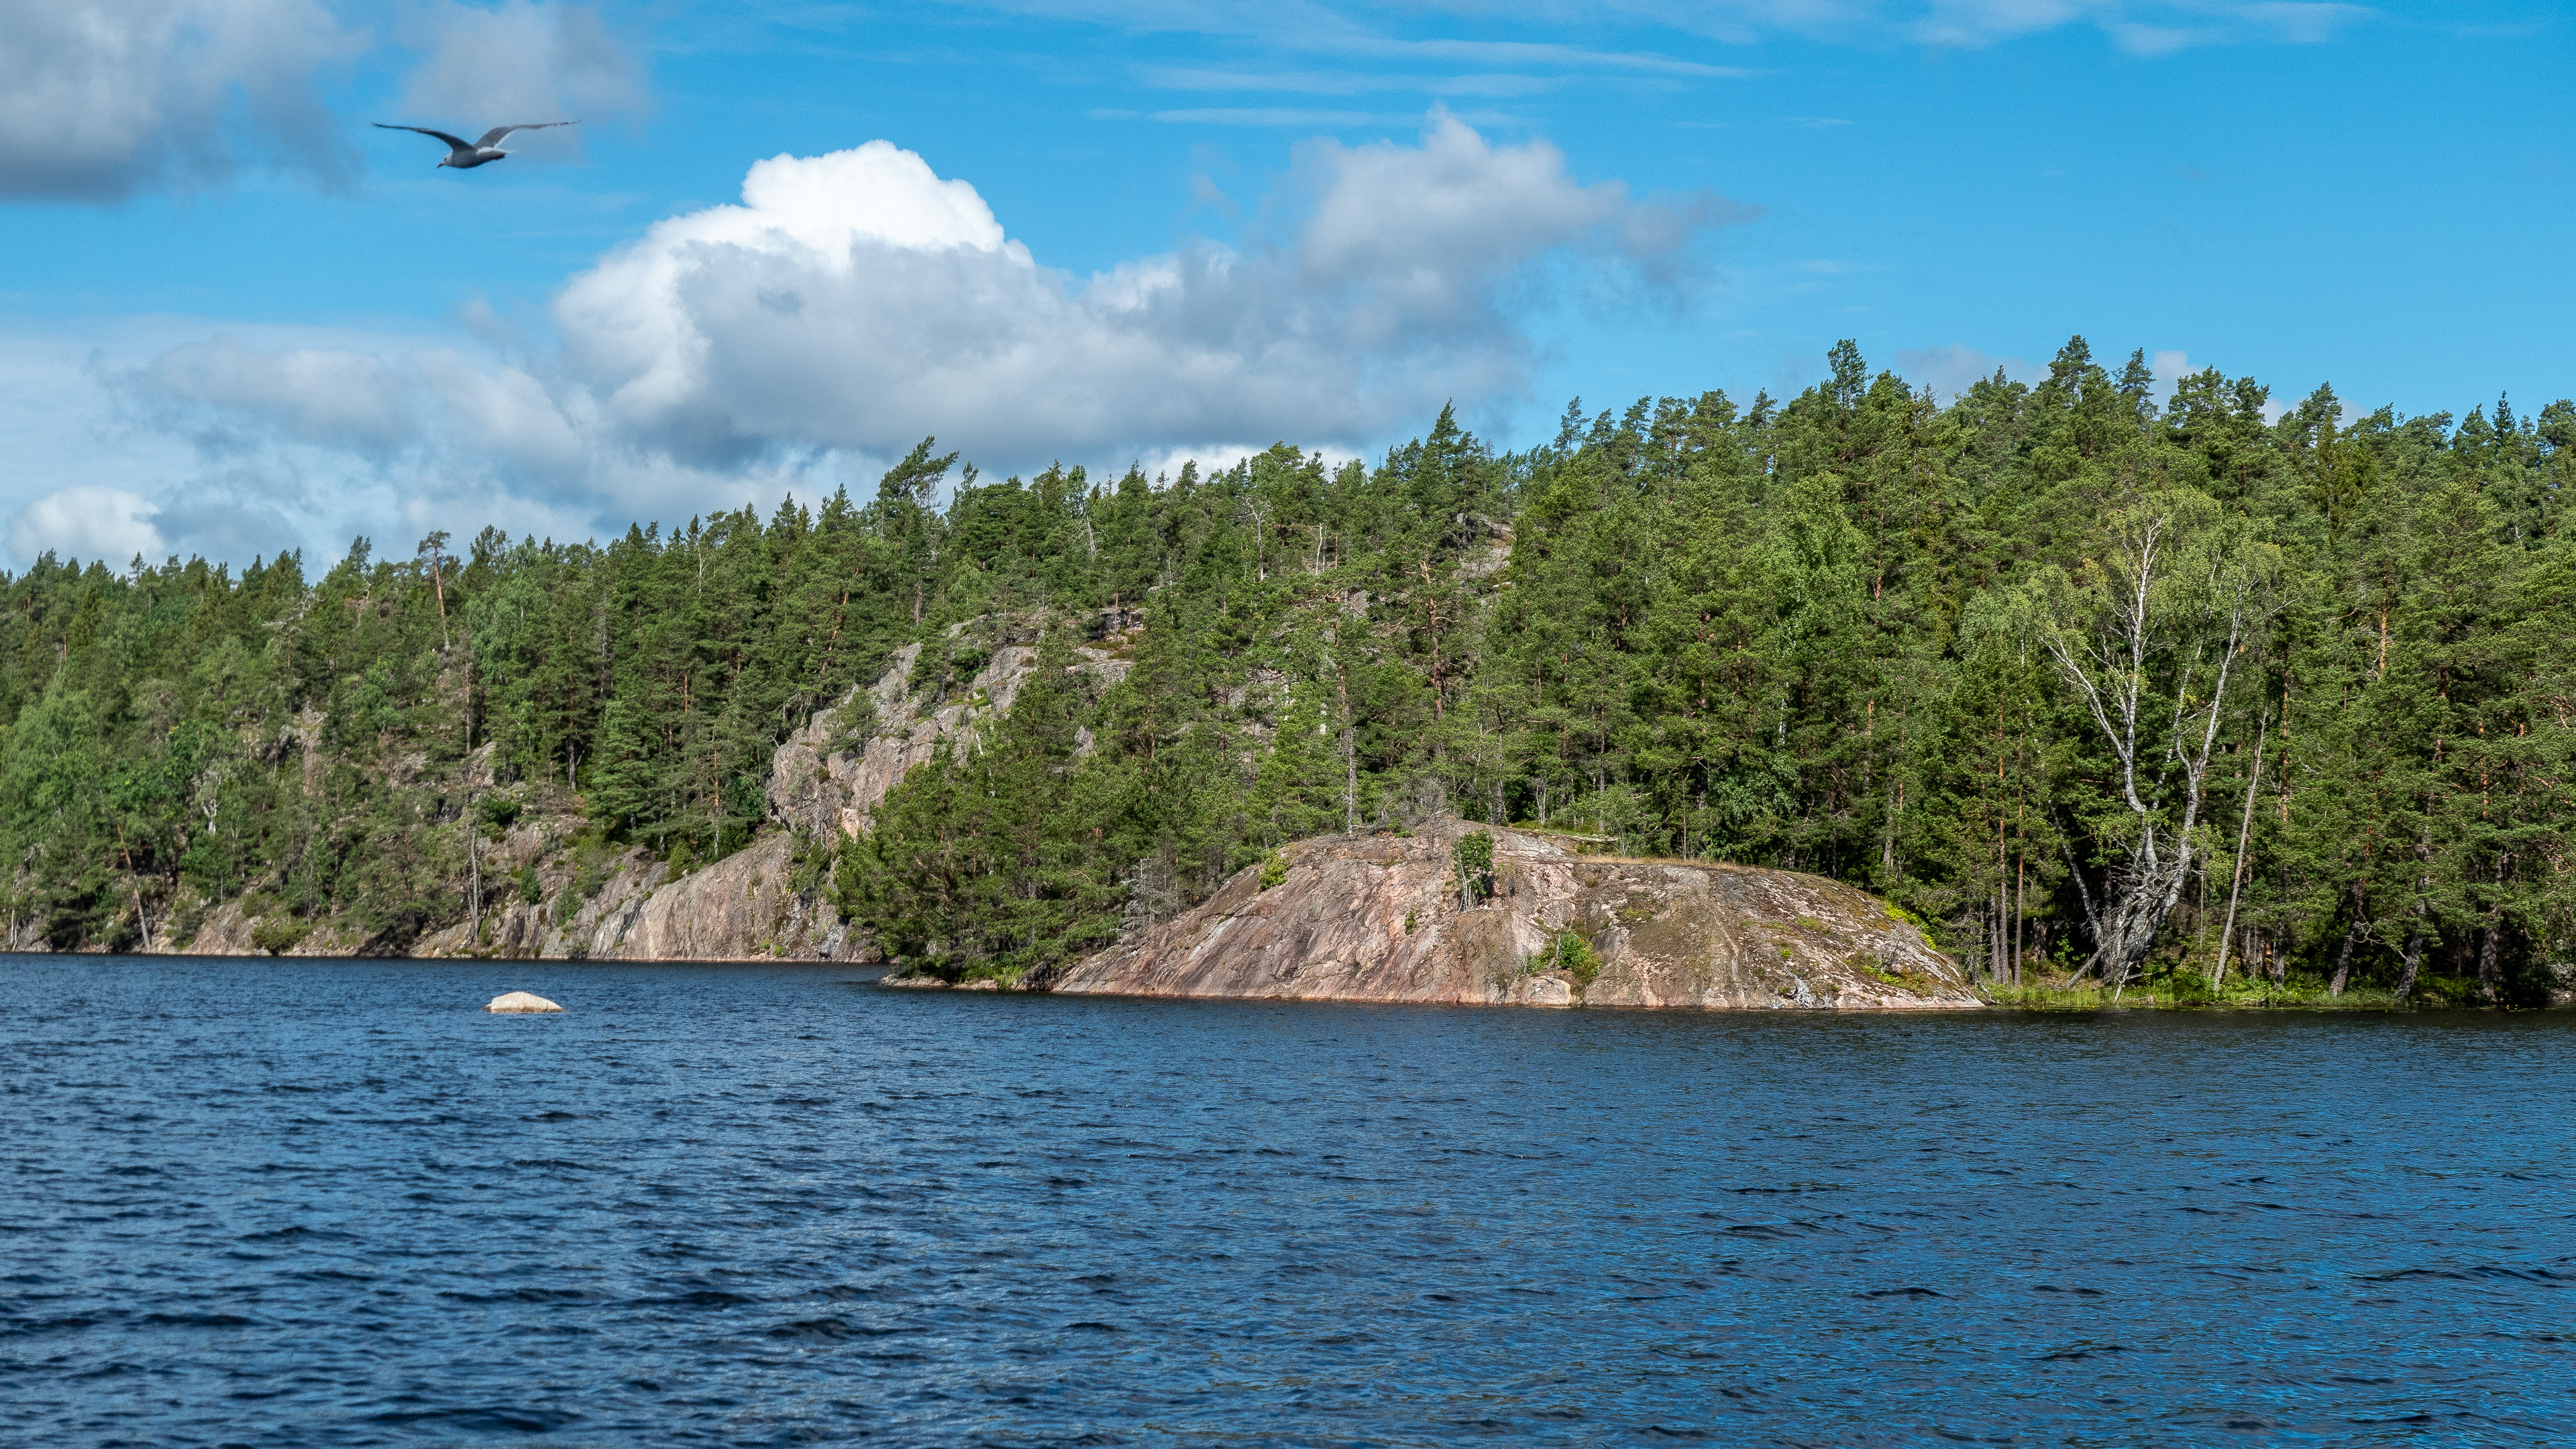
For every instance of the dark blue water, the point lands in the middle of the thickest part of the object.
(334, 1203)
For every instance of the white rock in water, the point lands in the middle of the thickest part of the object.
(521, 1001)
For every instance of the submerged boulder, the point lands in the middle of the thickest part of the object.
(1380, 919)
(521, 1001)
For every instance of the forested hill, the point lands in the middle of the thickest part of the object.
(2033, 664)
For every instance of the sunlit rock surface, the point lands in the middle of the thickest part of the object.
(1380, 919)
(520, 1002)
(824, 784)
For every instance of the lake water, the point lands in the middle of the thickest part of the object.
(332, 1202)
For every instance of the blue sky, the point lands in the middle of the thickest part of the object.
(234, 318)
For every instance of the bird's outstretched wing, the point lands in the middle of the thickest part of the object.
(424, 130)
(493, 137)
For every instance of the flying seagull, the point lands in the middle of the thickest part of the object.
(465, 155)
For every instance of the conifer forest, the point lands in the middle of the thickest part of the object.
(2112, 693)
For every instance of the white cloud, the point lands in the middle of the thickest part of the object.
(233, 401)
(855, 301)
(251, 438)
(1533, 53)
(313, 395)
(308, 442)
(103, 98)
(1980, 22)
(520, 62)
(59, 416)
(89, 522)
(858, 301)
(1314, 28)
(1428, 230)
(1211, 458)
(2151, 41)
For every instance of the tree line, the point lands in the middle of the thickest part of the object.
(2202, 690)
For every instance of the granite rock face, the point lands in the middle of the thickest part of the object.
(743, 907)
(520, 1003)
(910, 712)
(819, 790)
(821, 785)
(1380, 919)
(764, 902)
(227, 931)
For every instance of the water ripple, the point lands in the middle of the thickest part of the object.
(332, 1203)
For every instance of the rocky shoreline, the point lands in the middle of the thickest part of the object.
(1379, 917)
(1382, 918)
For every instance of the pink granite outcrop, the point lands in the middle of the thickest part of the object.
(1380, 918)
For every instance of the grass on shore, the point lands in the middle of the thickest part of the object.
(2188, 990)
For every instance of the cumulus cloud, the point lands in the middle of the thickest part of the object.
(104, 99)
(855, 301)
(250, 438)
(228, 397)
(88, 523)
(1429, 229)
(233, 401)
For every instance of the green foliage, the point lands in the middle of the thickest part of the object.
(1475, 865)
(1843, 633)
(279, 934)
(1573, 955)
(808, 865)
(1274, 868)
(854, 723)
(593, 865)
(1881, 970)
(531, 889)
(983, 860)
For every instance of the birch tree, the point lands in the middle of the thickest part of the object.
(2150, 632)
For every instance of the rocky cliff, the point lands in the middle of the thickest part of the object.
(764, 902)
(751, 905)
(546, 893)
(1382, 919)
(1373, 919)
(828, 775)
